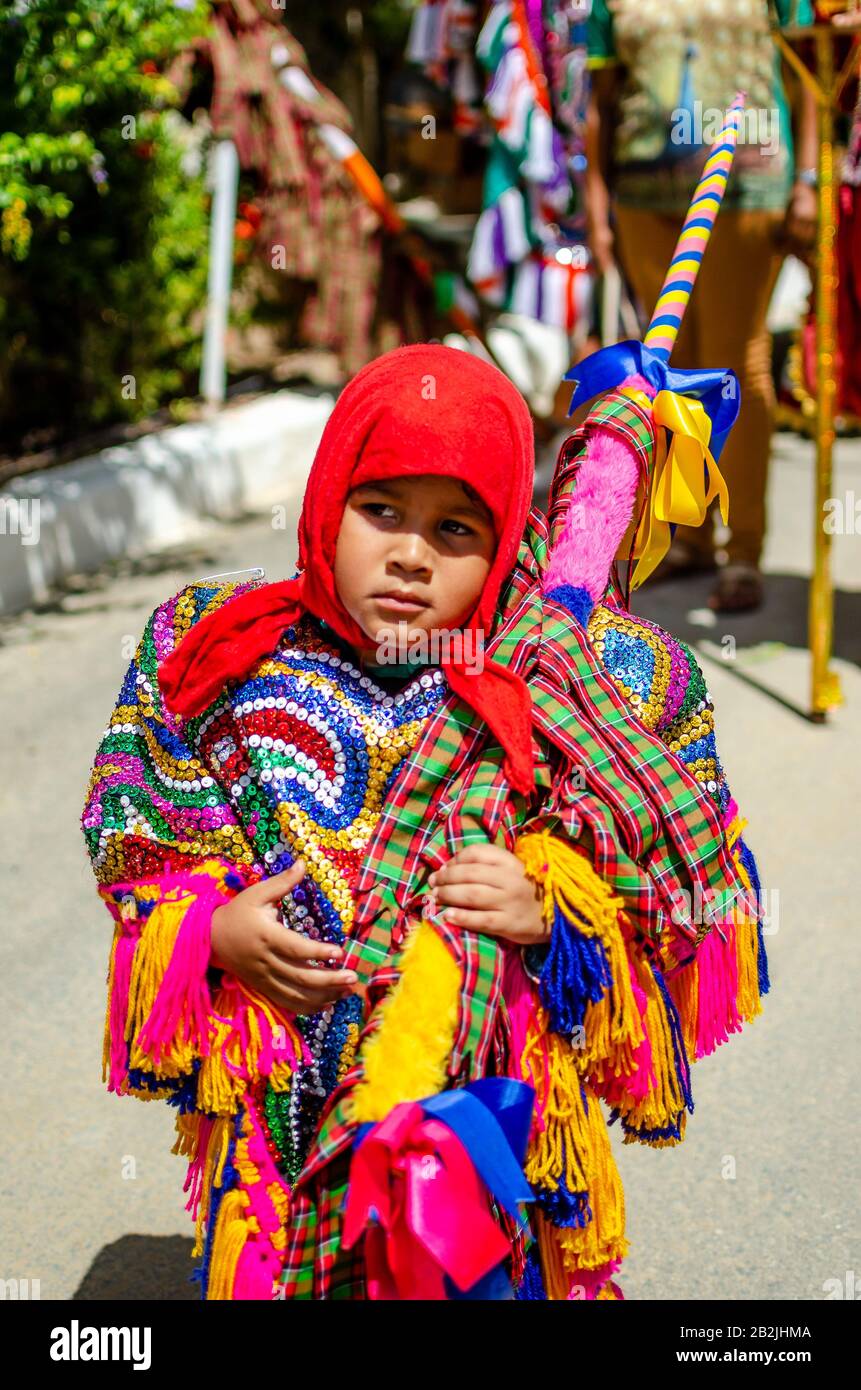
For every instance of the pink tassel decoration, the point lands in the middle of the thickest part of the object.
(119, 1003)
(717, 989)
(183, 996)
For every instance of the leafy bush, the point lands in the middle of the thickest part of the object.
(103, 215)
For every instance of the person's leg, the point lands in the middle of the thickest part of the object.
(733, 291)
(645, 245)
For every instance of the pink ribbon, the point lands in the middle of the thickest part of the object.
(415, 1193)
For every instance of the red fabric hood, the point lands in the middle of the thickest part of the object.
(419, 409)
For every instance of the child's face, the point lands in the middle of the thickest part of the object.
(423, 536)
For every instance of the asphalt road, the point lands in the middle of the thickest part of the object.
(760, 1201)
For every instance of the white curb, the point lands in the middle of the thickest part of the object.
(132, 499)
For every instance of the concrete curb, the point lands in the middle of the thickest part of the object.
(132, 499)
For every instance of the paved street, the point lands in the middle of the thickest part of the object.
(779, 1100)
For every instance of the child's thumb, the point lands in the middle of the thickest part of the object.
(279, 885)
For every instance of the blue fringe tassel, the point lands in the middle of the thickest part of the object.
(183, 1088)
(747, 859)
(683, 1070)
(670, 1132)
(575, 974)
(563, 1207)
(763, 981)
(531, 1286)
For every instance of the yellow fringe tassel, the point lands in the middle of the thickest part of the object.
(733, 835)
(407, 1057)
(231, 1232)
(213, 1174)
(188, 1132)
(683, 989)
(748, 1001)
(219, 1090)
(553, 1273)
(574, 1149)
(281, 1202)
(612, 1027)
(664, 1103)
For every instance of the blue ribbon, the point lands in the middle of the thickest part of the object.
(602, 371)
(491, 1118)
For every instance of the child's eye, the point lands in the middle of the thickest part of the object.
(377, 508)
(461, 529)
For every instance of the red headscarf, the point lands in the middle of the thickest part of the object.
(419, 409)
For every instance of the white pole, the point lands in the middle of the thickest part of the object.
(224, 182)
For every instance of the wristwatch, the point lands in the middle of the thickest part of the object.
(808, 176)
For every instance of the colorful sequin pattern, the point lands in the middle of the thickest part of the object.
(295, 760)
(661, 680)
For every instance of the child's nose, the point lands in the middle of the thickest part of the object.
(411, 550)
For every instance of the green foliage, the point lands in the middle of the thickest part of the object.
(103, 224)
(388, 23)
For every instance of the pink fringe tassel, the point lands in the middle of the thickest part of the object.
(591, 1281)
(272, 1050)
(183, 995)
(260, 1263)
(637, 1083)
(717, 990)
(518, 992)
(196, 1166)
(119, 1006)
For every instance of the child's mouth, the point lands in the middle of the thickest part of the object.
(399, 604)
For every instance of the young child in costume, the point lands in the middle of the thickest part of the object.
(434, 1130)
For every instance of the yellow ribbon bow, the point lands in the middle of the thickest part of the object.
(677, 493)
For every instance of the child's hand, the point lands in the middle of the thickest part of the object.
(484, 888)
(250, 940)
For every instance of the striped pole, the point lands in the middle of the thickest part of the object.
(694, 237)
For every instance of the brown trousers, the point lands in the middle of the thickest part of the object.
(723, 326)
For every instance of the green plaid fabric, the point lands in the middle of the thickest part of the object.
(602, 779)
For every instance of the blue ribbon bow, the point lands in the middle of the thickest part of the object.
(602, 371)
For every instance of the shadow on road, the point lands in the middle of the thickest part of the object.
(141, 1267)
(782, 617)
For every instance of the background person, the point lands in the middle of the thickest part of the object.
(661, 69)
